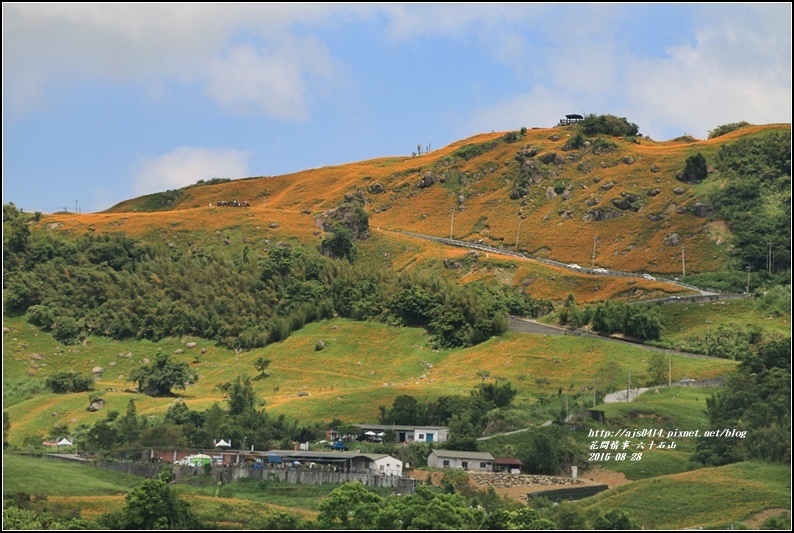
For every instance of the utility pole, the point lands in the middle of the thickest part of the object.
(594, 249)
(518, 232)
(566, 405)
(708, 335)
(683, 264)
(595, 380)
(670, 368)
(628, 391)
(452, 223)
(749, 268)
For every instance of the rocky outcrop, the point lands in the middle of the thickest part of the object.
(376, 188)
(427, 180)
(551, 158)
(526, 152)
(701, 210)
(672, 239)
(348, 215)
(585, 167)
(451, 264)
(598, 215)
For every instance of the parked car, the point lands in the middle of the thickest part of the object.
(574, 266)
(600, 270)
(648, 277)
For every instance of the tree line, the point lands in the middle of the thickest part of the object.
(119, 287)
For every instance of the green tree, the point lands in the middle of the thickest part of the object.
(340, 245)
(405, 410)
(129, 426)
(167, 435)
(68, 381)
(608, 125)
(153, 505)
(462, 433)
(242, 396)
(351, 506)
(695, 170)
(67, 330)
(164, 374)
(102, 436)
(261, 364)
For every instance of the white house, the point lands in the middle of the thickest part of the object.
(477, 461)
(377, 463)
(409, 434)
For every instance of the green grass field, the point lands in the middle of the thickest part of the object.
(305, 497)
(682, 321)
(52, 477)
(707, 498)
(364, 365)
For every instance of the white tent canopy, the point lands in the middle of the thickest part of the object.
(65, 442)
(370, 433)
(223, 444)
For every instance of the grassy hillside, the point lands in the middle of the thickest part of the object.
(93, 491)
(707, 498)
(51, 477)
(480, 172)
(364, 365)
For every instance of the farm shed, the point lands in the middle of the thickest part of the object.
(478, 461)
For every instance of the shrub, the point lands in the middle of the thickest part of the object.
(695, 170)
(68, 381)
(575, 142)
(67, 330)
(602, 146)
(608, 125)
(470, 151)
(727, 128)
(511, 137)
(164, 374)
(41, 316)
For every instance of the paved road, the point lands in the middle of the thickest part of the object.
(512, 253)
(525, 325)
(702, 296)
(620, 396)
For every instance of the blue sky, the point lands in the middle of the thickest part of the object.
(105, 102)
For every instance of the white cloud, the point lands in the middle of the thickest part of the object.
(739, 68)
(275, 82)
(187, 165)
(47, 44)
